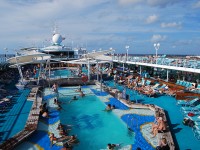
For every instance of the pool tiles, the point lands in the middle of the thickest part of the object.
(28, 146)
(144, 112)
(40, 139)
(146, 129)
(103, 96)
(143, 135)
(49, 125)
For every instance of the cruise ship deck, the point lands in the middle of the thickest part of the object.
(127, 68)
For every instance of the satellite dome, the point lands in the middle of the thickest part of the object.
(57, 39)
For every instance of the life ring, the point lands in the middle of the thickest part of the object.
(84, 78)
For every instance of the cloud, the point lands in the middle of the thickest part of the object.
(127, 2)
(184, 42)
(196, 5)
(160, 3)
(158, 38)
(171, 25)
(100, 24)
(151, 19)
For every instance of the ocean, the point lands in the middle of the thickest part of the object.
(4, 56)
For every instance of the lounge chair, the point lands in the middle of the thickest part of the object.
(155, 86)
(161, 87)
(197, 89)
(195, 118)
(191, 108)
(196, 131)
(187, 102)
(148, 82)
(178, 82)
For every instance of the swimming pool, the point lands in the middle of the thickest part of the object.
(65, 73)
(182, 135)
(94, 127)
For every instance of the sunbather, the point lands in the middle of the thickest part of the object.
(52, 138)
(73, 140)
(163, 145)
(160, 127)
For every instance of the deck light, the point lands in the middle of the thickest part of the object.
(127, 47)
(156, 46)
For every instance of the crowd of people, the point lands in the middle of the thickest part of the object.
(158, 126)
(143, 85)
(64, 137)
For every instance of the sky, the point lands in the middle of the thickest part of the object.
(103, 24)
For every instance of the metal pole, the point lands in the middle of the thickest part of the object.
(49, 72)
(127, 47)
(156, 46)
(101, 80)
(167, 75)
(88, 70)
(39, 74)
(19, 69)
(97, 71)
(20, 72)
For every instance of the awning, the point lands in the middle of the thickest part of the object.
(93, 58)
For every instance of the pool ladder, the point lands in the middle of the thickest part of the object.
(131, 119)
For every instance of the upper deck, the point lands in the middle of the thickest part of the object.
(172, 63)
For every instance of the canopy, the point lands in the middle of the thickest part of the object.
(32, 57)
(93, 58)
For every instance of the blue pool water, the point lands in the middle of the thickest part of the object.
(61, 73)
(183, 135)
(94, 127)
(64, 73)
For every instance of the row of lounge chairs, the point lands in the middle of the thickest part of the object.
(189, 86)
(192, 107)
(31, 124)
(154, 90)
(184, 83)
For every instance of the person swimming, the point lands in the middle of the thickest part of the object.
(82, 94)
(79, 89)
(108, 108)
(113, 146)
(73, 99)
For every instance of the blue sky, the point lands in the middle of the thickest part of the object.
(102, 24)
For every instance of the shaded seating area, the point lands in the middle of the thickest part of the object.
(8, 142)
(10, 114)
